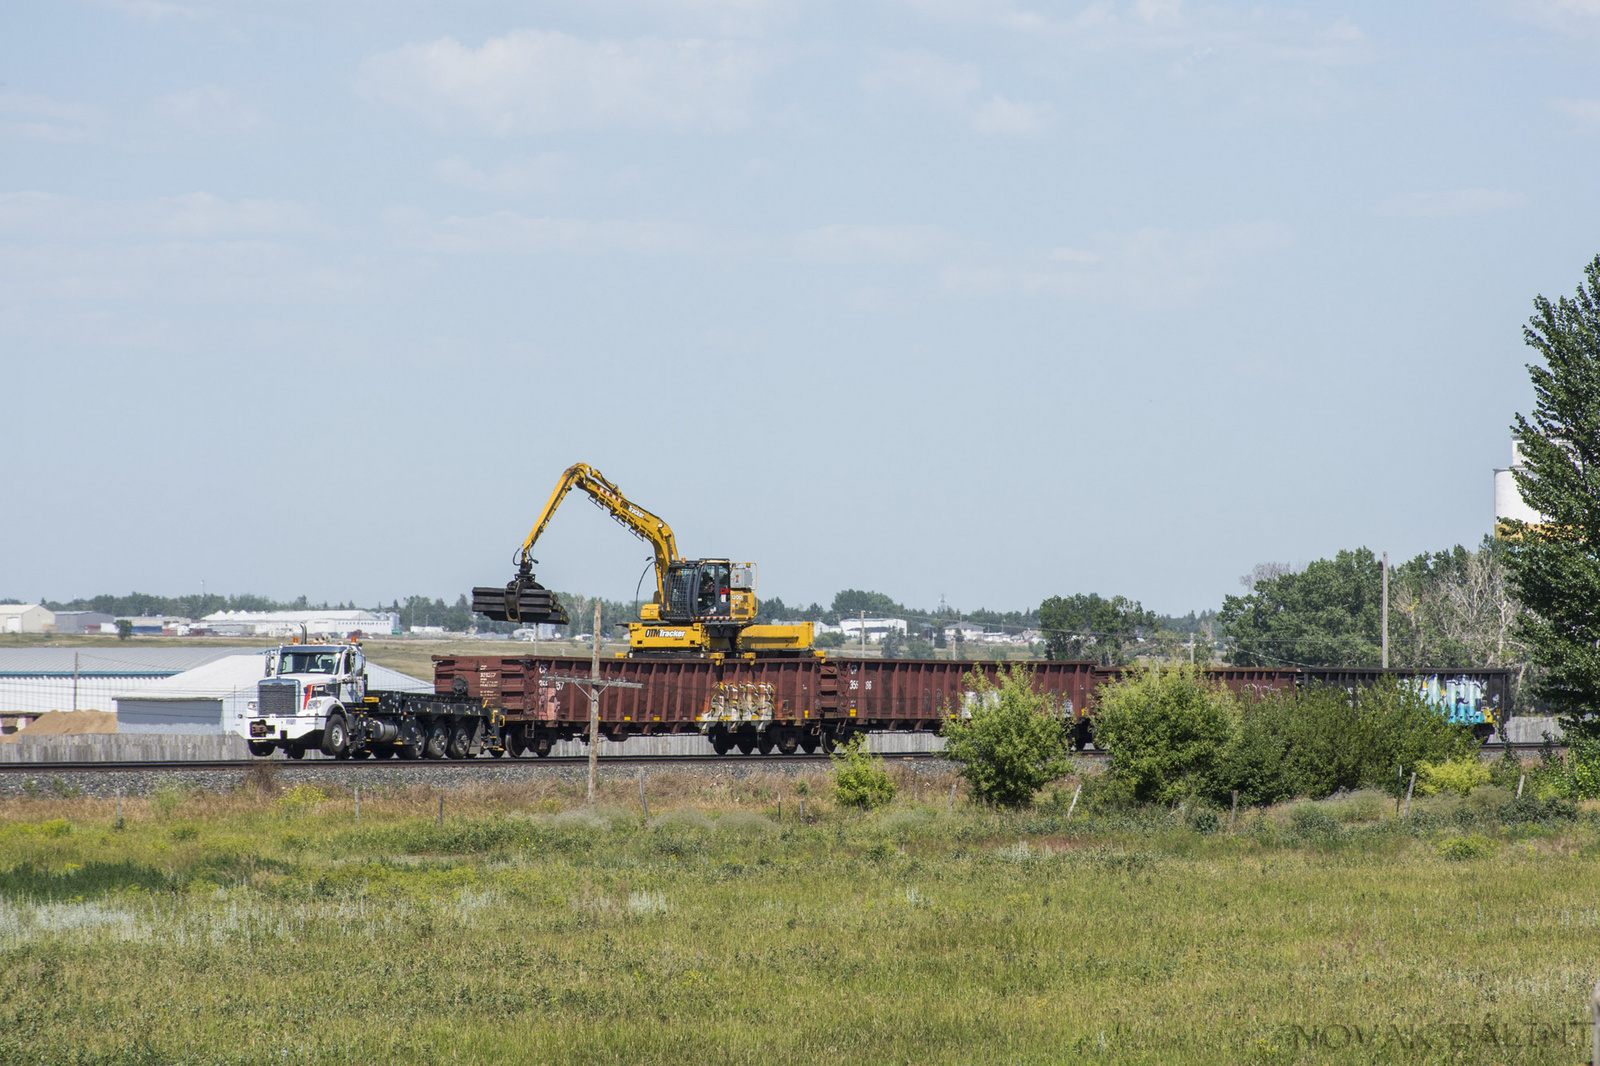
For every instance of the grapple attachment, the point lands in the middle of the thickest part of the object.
(522, 600)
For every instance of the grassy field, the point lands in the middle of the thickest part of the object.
(269, 926)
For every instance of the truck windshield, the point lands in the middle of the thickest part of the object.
(307, 662)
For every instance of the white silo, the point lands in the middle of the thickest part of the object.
(1508, 501)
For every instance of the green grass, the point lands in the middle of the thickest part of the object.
(272, 928)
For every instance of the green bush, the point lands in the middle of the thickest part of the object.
(1459, 849)
(1460, 776)
(859, 779)
(1166, 729)
(1312, 821)
(1013, 743)
(1318, 740)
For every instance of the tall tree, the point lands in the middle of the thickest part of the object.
(1088, 627)
(1329, 614)
(1554, 565)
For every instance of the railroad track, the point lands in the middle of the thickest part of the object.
(365, 765)
(358, 766)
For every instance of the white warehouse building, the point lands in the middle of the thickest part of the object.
(26, 618)
(877, 628)
(220, 697)
(342, 624)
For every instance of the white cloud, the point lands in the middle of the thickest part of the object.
(1454, 203)
(39, 118)
(208, 110)
(508, 232)
(1194, 35)
(1578, 18)
(534, 81)
(1147, 267)
(149, 10)
(544, 172)
(884, 244)
(956, 88)
(1584, 113)
(196, 216)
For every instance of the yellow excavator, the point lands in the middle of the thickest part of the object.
(702, 607)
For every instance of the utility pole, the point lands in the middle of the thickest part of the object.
(594, 705)
(863, 634)
(1386, 610)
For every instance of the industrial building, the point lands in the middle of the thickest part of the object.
(85, 622)
(26, 618)
(220, 696)
(36, 680)
(317, 623)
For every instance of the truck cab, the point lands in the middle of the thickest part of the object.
(303, 686)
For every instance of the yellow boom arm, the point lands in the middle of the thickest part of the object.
(641, 523)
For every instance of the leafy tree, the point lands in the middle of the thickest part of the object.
(1088, 627)
(860, 779)
(124, 629)
(893, 644)
(1329, 614)
(1166, 729)
(1554, 565)
(852, 602)
(1011, 741)
(917, 648)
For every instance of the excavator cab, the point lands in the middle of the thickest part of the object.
(708, 590)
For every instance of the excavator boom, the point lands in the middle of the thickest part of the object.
(641, 523)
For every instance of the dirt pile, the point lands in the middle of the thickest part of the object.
(67, 724)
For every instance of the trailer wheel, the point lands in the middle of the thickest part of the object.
(788, 743)
(335, 736)
(808, 744)
(438, 741)
(721, 742)
(460, 744)
(747, 742)
(516, 745)
(295, 751)
(262, 748)
(385, 751)
(768, 743)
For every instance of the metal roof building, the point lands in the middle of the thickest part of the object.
(36, 680)
(220, 697)
(26, 618)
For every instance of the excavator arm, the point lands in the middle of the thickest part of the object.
(524, 599)
(649, 528)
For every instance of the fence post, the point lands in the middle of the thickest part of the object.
(1074, 804)
(1234, 813)
(358, 804)
(1409, 787)
(119, 808)
(441, 810)
(1520, 779)
(646, 803)
(1594, 1024)
(952, 806)
(802, 809)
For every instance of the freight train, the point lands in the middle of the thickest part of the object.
(525, 704)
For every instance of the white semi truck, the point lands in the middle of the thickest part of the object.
(315, 696)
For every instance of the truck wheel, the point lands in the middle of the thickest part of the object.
(295, 751)
(262, 748)
(460, 742)
(438, 741)
(335, 736)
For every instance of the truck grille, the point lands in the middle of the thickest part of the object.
(278, 697)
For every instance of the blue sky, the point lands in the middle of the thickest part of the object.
(973, 298)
